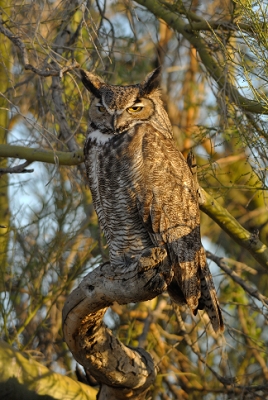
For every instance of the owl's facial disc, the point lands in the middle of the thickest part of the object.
(135, 112)
(117, 118)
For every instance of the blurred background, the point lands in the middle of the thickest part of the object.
(49, 233)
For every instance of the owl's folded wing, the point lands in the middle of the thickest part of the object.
(168, 205)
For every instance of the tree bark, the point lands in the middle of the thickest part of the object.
(123, 372)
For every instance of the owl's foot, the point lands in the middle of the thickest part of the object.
(152, 258)
(156, 257)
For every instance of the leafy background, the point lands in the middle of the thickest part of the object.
(213, 56)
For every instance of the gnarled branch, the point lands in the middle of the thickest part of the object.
(122, 371)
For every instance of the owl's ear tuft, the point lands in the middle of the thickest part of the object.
(151, 82)
(92, 82)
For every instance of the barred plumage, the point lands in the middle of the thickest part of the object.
(143, 190)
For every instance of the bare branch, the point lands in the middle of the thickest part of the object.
(51, 157)
(199, 23)
(249, 289)
(16, 41)
(52, 72)
(18, 169)
(21, 46)
(221, 379)
(205, 25)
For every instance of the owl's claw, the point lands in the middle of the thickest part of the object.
(157, 284)
(152, 258)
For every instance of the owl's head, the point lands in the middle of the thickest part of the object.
(116, 109)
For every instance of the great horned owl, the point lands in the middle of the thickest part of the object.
(143, 190)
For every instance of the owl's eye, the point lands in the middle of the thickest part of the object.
(101, 109)
(134, 109)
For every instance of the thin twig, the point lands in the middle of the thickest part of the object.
(52, 72)
(232, 227)
(249, 289)
(18, 169)
(21, 46)
(194, 347)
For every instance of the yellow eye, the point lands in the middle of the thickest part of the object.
(101, 109)
(134, 109)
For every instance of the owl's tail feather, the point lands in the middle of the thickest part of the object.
(209, 300)
(193, 285)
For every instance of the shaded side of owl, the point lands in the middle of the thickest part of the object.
(143, 190)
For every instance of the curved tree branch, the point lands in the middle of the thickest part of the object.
(18, 169)
(123, 372)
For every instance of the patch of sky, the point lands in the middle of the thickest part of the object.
(111, 319)
(141, 24)
(121, 26)
(35, 212)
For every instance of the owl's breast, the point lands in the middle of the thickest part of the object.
(112, 172)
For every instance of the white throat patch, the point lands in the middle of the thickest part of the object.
(100, 137)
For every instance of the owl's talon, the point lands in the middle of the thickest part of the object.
(157, 284)
(155, 257)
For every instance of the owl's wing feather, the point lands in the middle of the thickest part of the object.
(209, 299)
(168, 205)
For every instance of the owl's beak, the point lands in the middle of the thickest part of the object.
(114, 122)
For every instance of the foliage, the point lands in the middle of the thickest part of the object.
(27, 379)
(214, 84)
